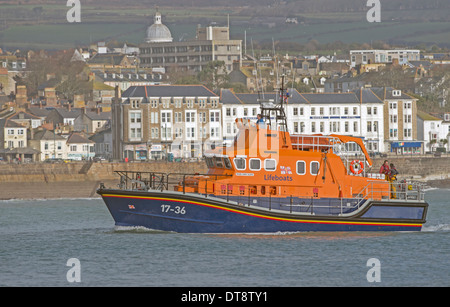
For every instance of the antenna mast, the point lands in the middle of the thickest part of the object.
(275, 108)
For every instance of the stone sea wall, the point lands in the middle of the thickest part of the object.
(73, 180)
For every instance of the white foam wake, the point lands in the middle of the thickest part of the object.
(436, 228)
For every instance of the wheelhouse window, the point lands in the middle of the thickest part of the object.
(314, 168)
(219, 162)
(255, 164)
(301, 167)
(270, 165)
(239, 163)
(209, 162)
(227, 163)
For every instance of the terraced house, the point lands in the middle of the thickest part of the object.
(358, 113)
(183, 120)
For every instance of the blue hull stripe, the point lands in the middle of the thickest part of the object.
(171, 217)
(209, 216)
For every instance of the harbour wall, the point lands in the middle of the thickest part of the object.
(74, 180)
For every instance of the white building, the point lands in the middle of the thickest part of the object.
(51, 146)
(372, 56)
(400, 125)
(357, 114)
(433, 131)
(183, 120)
(79, 147)
(15, 135)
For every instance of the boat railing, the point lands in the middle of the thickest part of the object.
(252, 194)
(402, 190)
(143, 181)
(312, 142)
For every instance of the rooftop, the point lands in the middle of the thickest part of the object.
(167, 91)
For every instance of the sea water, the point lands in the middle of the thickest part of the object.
(39, 237)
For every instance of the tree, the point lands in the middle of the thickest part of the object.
(214, 75)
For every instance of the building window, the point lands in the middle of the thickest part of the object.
(190, 117)
(407, 132)
(302, 127)
(135, 104)
(165, 117)
(214, 132)
(135, 133)
(190, 132)
(214, 116)
(135, 117)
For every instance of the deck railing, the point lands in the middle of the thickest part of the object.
(253, 195)
(401, 190)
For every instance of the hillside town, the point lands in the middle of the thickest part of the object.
(173, 100)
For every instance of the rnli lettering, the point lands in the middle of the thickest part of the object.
(277, 178)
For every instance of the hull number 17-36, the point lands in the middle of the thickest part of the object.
(174, 209)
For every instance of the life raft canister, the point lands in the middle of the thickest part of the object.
(356, 167)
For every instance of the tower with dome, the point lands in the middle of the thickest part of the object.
(212, 43)
(158, 32)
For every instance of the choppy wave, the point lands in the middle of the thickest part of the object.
(430, 189)
(137, 229)
(436, 228)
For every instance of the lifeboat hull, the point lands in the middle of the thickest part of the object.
(195, 213)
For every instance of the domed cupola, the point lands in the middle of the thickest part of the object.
(157, 32)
